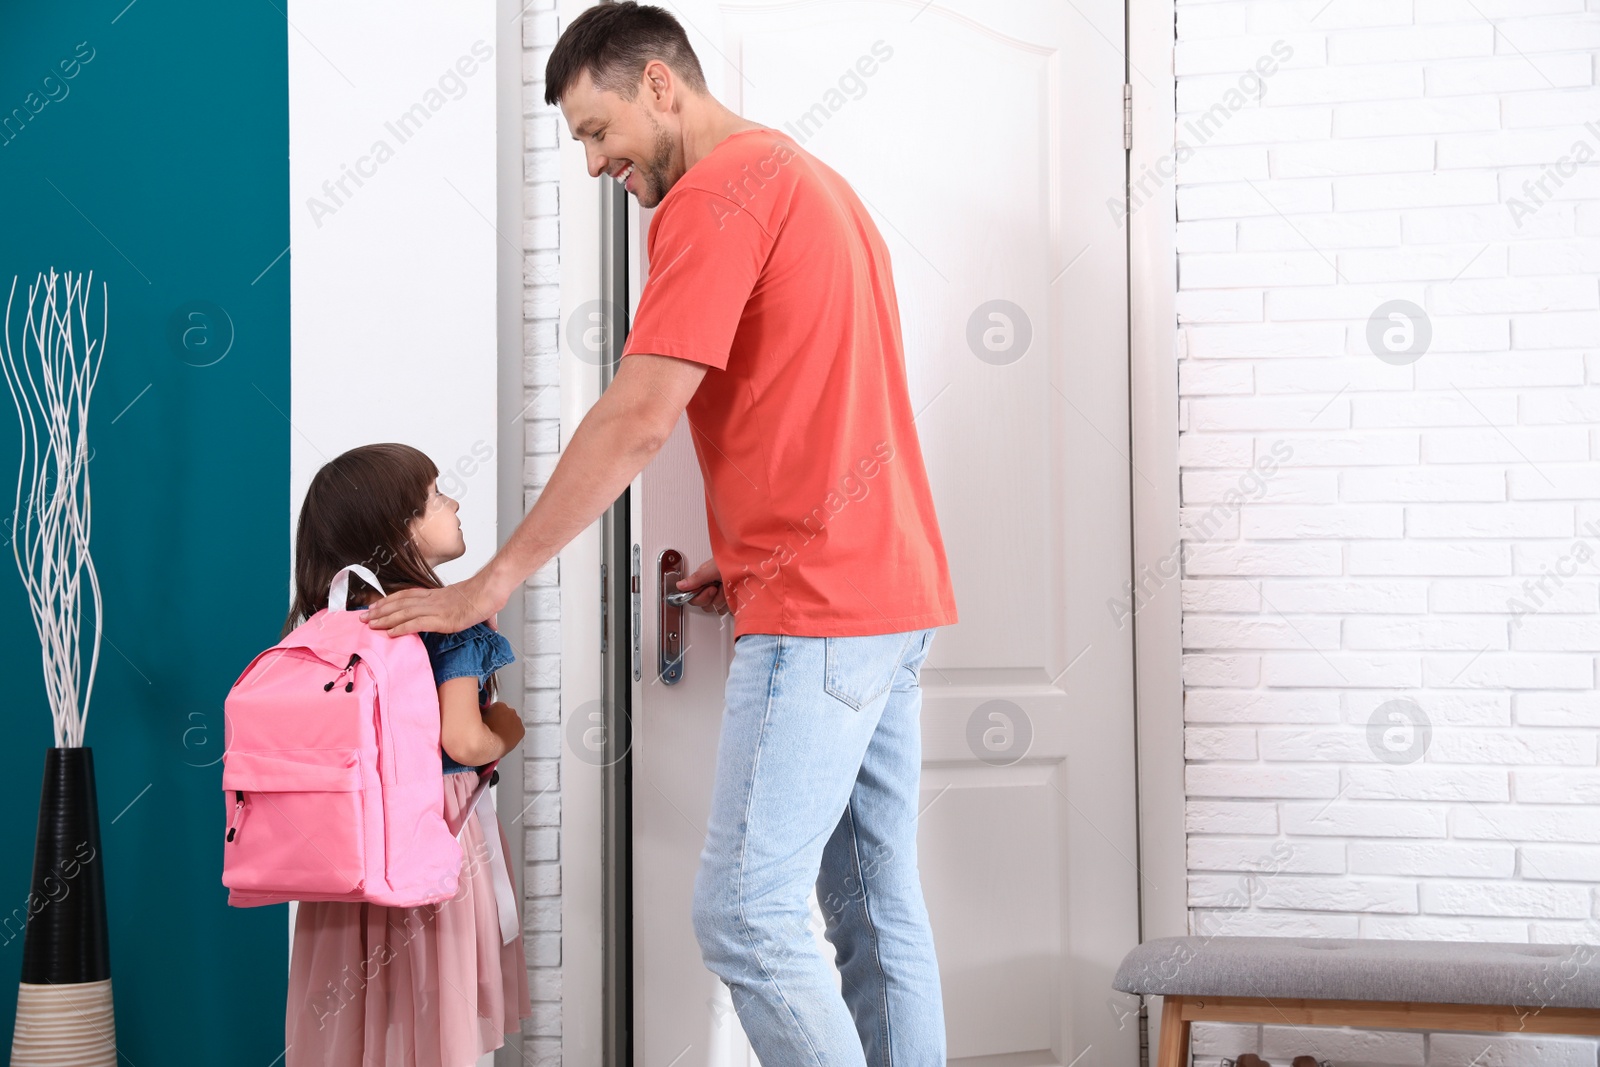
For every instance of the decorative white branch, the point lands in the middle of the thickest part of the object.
(51, 374)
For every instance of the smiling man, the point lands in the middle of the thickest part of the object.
(769, 318)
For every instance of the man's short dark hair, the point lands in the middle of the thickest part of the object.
(613, 42)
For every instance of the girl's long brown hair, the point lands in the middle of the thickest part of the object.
(359, 510)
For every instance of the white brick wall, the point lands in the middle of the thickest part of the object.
(541, 707)
(1433, 535)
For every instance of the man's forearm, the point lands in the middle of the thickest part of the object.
(610, 446)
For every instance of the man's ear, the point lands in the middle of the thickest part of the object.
(659, 82)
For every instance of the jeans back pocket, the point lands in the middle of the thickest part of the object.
(859, 670)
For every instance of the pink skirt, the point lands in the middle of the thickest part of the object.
(429, 986)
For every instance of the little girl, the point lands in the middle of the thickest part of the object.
(428, 986)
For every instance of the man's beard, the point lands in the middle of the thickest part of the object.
(654, 173)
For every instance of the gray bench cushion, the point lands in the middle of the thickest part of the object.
(1431, 972)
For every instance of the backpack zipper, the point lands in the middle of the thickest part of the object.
(238, 810)
(355, 657)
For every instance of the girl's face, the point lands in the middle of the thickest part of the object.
(437, 531)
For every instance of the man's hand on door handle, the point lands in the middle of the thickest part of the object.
(709, 580)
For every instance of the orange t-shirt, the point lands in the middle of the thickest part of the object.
(765, 266)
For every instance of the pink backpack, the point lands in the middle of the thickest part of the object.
(332, 774)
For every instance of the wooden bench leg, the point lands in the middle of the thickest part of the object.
(1174, 1034)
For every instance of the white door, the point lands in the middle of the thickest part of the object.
(986, 140)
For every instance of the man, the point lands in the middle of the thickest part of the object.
(769, 318)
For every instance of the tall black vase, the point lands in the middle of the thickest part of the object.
(64, 1011)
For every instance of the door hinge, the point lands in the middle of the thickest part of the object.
(1127, 116)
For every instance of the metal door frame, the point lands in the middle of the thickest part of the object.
(619, 636)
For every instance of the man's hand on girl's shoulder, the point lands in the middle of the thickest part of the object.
(447, 610)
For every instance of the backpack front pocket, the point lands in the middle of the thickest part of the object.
(295, 822)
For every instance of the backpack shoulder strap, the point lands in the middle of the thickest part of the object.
(339, 588)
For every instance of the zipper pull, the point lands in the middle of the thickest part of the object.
(238, 810)
(355, 657)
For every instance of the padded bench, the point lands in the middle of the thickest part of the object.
(1367, 983)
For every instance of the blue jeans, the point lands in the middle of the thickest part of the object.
(817, 778)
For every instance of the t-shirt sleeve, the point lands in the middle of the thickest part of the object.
(706, 253)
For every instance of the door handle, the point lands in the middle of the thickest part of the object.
(669, 569)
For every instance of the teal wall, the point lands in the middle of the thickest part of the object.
(171, 144)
